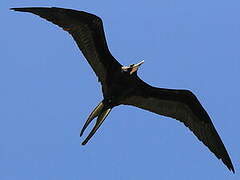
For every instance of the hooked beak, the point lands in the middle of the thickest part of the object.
(136, 66)
(139, 64)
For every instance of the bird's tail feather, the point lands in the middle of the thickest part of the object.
(101, 112)
(94, 114)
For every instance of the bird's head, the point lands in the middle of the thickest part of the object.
(132, 68)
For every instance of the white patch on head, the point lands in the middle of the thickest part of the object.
(125, 68)
(134, 69)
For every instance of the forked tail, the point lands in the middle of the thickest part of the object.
(101, 112)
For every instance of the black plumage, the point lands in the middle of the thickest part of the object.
(121, 85)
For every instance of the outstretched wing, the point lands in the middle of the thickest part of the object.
(87, 31)
(185, 107)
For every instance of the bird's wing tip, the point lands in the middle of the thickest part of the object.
(232, 169)
(24, 9)
(19, 9)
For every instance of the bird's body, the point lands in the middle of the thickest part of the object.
(121, 84)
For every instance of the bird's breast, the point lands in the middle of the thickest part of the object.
(120, 87)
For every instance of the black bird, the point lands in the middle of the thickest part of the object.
(121, 84)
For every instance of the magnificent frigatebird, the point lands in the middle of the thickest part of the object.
(121, 84)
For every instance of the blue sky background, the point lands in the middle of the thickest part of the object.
(47, 91)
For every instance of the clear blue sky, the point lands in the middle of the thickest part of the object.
(47, 91)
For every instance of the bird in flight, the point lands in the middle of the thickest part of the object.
(121, 84)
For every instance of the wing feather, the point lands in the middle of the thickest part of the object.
(87, 31)
(185, 107)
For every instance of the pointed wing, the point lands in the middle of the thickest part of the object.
(87, 31)
(185, 107)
